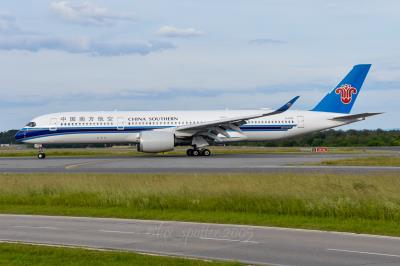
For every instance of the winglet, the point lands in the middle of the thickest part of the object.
(287, 105)
(283, 108)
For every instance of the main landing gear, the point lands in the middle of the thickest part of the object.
(41, 154)
(198, 152)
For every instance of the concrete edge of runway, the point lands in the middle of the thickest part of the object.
(103, 249)
(142, 252)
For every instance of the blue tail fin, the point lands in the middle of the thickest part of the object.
(342, 98)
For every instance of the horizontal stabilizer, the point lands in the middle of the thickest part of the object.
(354, 117)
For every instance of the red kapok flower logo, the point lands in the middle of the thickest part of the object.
(346, 92)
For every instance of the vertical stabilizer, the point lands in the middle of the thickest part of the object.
(342, 98)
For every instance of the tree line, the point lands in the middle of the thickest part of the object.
(337, 138)
(329, 138)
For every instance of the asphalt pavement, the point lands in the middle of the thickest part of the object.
(248, 244)
(162, 164)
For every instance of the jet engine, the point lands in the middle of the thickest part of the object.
(156, 141)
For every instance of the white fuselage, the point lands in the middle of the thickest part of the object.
(125, 127)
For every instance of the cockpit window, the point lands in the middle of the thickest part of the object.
(31, 124)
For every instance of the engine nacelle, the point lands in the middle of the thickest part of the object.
(156, 141)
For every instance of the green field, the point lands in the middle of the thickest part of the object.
(368, 203)
(366, 161)
(127, 151)
(25, 254)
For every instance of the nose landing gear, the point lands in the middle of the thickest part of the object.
(198, 152)
(41, 154)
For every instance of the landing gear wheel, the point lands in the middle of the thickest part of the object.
(206, 152)
(189, 152)
(41, 154)
(198, 152)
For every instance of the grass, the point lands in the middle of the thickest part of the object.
(25, 254)
(366, 161)
(131, 151)
(363, 203)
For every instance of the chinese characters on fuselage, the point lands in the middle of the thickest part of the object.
(87, 119)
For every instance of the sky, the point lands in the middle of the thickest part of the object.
(190, 55)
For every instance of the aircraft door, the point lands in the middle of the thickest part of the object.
(120, 123)
(300, 121)
(53, 124)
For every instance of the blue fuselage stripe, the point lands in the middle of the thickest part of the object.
(33, 133)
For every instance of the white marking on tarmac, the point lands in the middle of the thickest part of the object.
(230, 240)
(77, 165)
(118, 232)
(36, 227)
(203, 238)
(126, 232)
(364, 252)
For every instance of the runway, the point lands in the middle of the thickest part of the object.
(163, 164)
(248, 244)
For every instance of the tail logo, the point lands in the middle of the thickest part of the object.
(346, 92)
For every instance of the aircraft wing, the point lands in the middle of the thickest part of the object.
(213, 128)
(354, 117)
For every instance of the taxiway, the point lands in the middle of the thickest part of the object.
(248, 244)
(162, 164)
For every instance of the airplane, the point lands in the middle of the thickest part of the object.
(162, 131)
